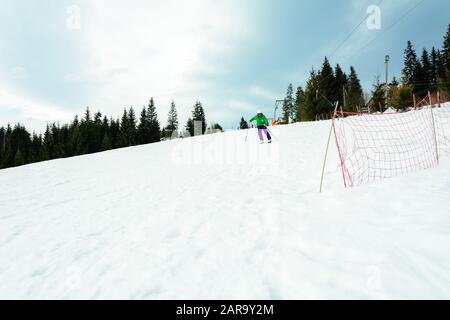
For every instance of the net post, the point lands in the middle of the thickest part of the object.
(327, 148)
(341, 157)
(434, 128)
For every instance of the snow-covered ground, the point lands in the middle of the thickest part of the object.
(215, 217)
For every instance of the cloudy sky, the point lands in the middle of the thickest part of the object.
(235, 56)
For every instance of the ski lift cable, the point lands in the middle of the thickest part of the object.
(393, 24)
(352, 32)
(376, 38)
(339, 46)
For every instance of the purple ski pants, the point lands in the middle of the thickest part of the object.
(262, 129)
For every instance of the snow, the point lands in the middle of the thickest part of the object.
(390, 110)
(214, 217)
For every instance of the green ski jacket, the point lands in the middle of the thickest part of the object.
(260, 121)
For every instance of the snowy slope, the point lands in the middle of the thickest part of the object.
(215, 217)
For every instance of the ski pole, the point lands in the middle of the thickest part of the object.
(272, 134)
(246, 136)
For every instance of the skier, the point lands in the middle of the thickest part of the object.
(262, 123)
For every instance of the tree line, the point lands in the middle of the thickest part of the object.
(93, 133)
(429, 72)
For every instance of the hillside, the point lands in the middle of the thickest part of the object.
(216, 217)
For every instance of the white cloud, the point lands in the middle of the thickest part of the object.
(19, 73)
(72, 78)
(130, 51)
(35, 114)
(143, 48)
(263, 93)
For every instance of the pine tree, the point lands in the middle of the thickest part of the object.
(288, 105)
(326, 89)
(35, 154)
(444, 64)
(149, 129)
(299, 103)
(97, 134)
(341, 84)
(434, 60)
(74, 140)
(444, 82)
(128, 128)
(410, 65)
(105, 129)
(446, 49)
(421, 78)
(58, 142)
(143, 128)
(106, 143)
(243, 125)
(2, 146)
(8, 154)
(18, 159)
(87, 115)
(355, 92)
(327, 80)
(132, 122)
(114, 133)
(440, 65)
(124, 135)
(426, 81)
(393, 91)
(86, 133)
(198, 114)
(154, 130)
(190, 127)
(378, 96)
(48, 144)
(313, 100)
(64, 136)
(172, 121)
